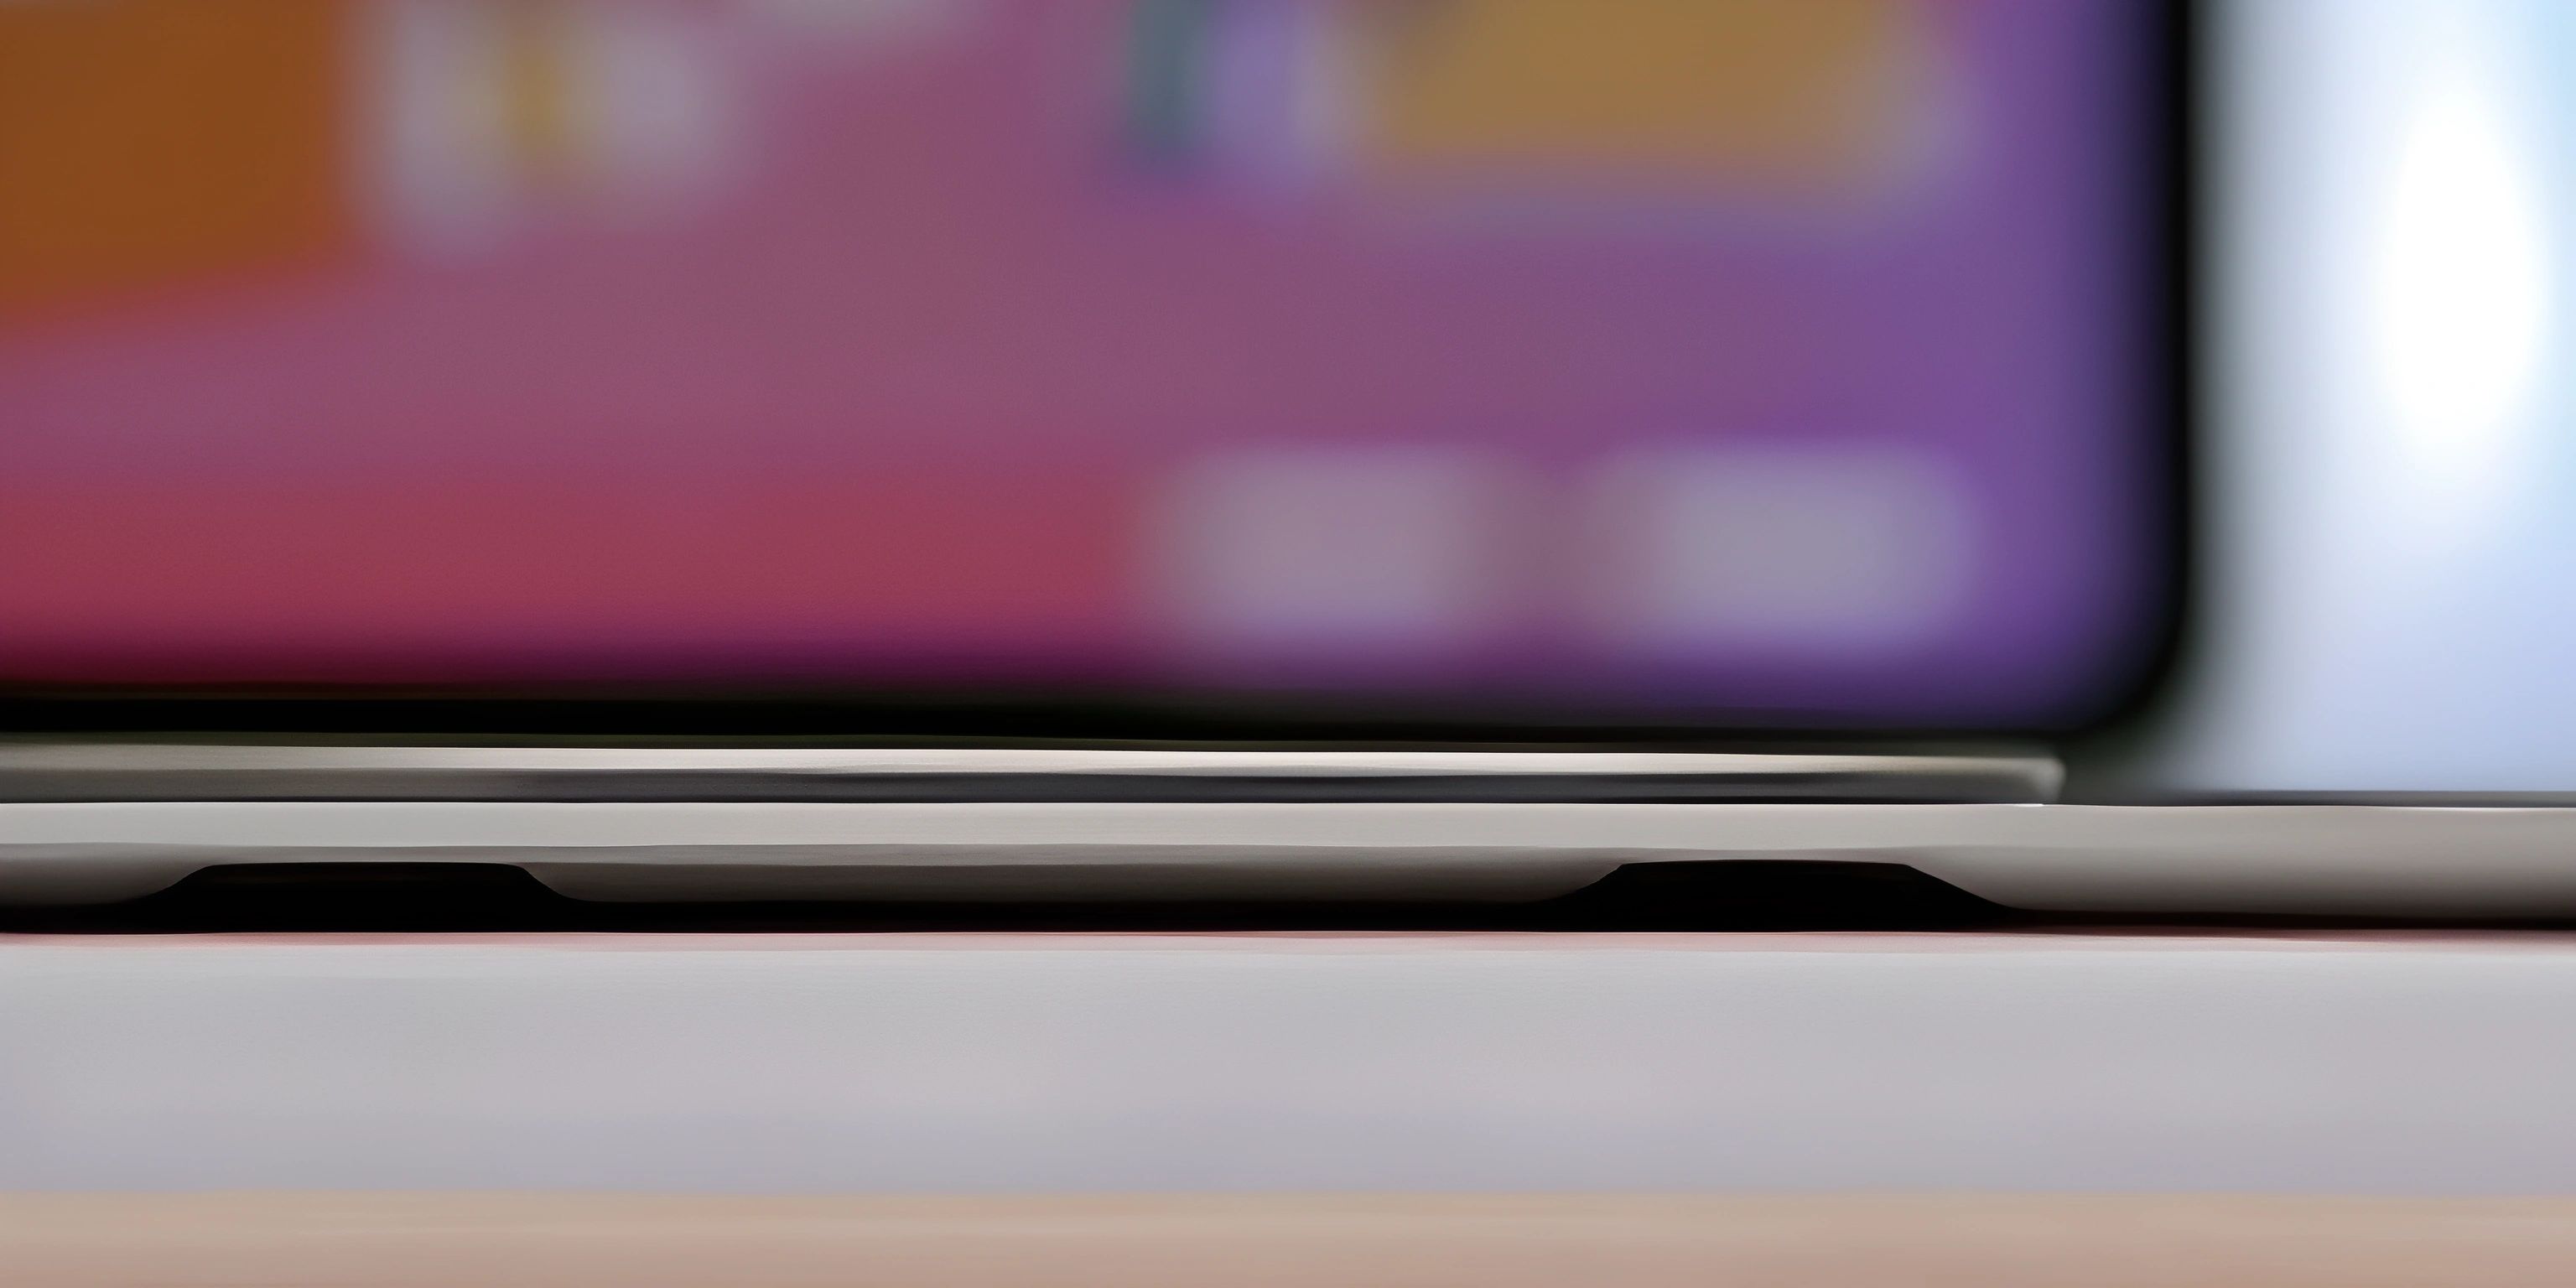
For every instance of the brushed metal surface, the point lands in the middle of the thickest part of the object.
(2321, 859)
(207, 771)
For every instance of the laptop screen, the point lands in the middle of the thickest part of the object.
(1762, 360)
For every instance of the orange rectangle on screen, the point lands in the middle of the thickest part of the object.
(1755, 88)
(146, 142)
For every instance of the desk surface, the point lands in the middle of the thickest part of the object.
(983, 1064)
(425, 1241)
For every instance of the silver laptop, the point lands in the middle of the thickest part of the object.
(1157, 449)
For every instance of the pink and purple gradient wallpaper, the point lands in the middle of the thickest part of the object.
(1794, 363)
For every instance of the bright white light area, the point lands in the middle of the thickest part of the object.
(2460, 296)
(2390, 508)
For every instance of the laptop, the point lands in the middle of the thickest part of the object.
(1125, 449)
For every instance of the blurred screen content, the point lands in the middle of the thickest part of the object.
(1730, 355)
